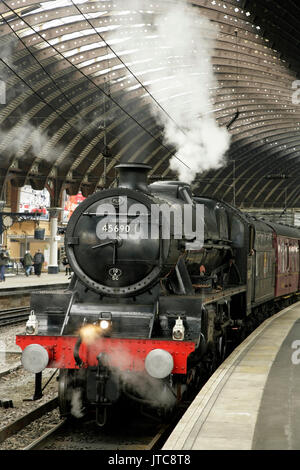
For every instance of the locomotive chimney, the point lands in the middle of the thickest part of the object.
(133, 176)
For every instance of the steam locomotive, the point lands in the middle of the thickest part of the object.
(163, 284)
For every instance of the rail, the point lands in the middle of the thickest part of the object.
(14, 315)
(21, 423)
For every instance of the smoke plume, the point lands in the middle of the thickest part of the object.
(136, 382)
(76, 403)
(8, 49)
(171, 55)
(154, 392)
(24, 137)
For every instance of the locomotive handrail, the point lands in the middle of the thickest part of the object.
(112, 241)
(154, 314)
(119, 214)
(67, 313)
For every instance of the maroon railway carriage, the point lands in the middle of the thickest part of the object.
(286, 242)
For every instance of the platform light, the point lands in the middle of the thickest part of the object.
(159, 363)
(35, 358)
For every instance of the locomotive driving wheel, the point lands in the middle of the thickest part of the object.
(65, 386)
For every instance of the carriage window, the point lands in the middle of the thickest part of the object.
(294, 255)
(290, 256)
(286, 256)
(293, 258)
(282, 257)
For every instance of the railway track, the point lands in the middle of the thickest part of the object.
(82, 434)
(63, 437)
(21, 423)
(14, 315)
(138, 434)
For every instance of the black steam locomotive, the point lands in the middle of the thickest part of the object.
(163, 283)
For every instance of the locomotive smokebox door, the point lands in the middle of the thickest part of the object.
(108, 228)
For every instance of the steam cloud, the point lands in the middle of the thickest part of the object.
(137, 382)
(25, 136)
(7, 50)
(76, 403)
(172, 58)
(140, 383)
(154, 391)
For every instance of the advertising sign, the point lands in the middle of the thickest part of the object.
(71, 202)
(34, 201)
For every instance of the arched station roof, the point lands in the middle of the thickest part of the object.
(70, 109)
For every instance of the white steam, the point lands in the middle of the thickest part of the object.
(154, 392)
(7, 50)
(128, 369)
(76, 403)
(172, 56)
(25, 137)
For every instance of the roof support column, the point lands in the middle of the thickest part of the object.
(53, 266)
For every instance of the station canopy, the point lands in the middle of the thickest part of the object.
(204, 90)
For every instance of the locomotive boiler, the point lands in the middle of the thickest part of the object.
(162, 283)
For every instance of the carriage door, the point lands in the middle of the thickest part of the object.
(293, 272)
(250, 282)
(250, 267)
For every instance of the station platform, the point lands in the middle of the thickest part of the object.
(252, 401)
(21, 281)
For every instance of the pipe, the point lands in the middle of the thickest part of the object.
(78, 361)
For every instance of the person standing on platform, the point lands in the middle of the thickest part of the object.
(4, 258)
(65, 262)
(28, 263)
(38, 260)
